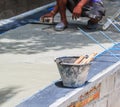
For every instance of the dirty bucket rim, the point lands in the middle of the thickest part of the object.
(72, 64)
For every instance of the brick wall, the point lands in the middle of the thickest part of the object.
(102, 91)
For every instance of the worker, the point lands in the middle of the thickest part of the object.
(93, 9)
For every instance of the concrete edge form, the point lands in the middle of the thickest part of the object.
(31, 12)
(101, 79)
(22, 19)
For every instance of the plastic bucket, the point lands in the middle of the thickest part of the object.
(72, 75)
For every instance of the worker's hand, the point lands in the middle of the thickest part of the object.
(51, 15)
(76, 12)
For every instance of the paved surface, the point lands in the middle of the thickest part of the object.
(55, 91)
(27, 56)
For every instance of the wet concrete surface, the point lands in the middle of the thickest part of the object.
(27, 55)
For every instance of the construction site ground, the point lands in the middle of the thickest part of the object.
(27, 54)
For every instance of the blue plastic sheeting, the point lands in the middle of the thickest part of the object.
(24, 20)
(56, 90)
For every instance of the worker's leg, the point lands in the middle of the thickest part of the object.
(62, 10)
(93, 23)
(95, 12)
(62, 5)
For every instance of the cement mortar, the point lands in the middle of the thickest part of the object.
(27, 56)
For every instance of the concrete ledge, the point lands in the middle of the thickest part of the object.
(39, 10)
(103, 80)
(10, 8)
(74, 96)
(22, 19)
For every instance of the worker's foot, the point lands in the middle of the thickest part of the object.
(60, 26)
(92, 25)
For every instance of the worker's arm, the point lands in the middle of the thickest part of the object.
(82, 3)
(78, 9)
(50, 14)
(55, 10)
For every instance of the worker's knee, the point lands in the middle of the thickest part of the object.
(71, 4)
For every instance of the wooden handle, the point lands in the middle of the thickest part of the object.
(90, 58)
(84, 60)
(79, 59)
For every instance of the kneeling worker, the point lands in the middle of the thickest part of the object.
(93, 9)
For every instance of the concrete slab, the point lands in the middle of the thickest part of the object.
(28, 53)
(56, 91)
(27, 57)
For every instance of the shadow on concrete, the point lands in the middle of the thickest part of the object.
(60, 85)
(30, 39)
(37, 38)
(7, 93)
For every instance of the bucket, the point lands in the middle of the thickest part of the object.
(72, 75)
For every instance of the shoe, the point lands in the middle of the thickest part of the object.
(60, 26)
(92, 25)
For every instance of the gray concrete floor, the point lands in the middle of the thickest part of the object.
(27, 56)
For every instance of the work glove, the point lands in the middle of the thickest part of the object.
(77, 12)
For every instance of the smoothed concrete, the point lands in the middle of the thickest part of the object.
(27, 56)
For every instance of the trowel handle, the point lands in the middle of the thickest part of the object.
(90, 58)
(79, 59)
